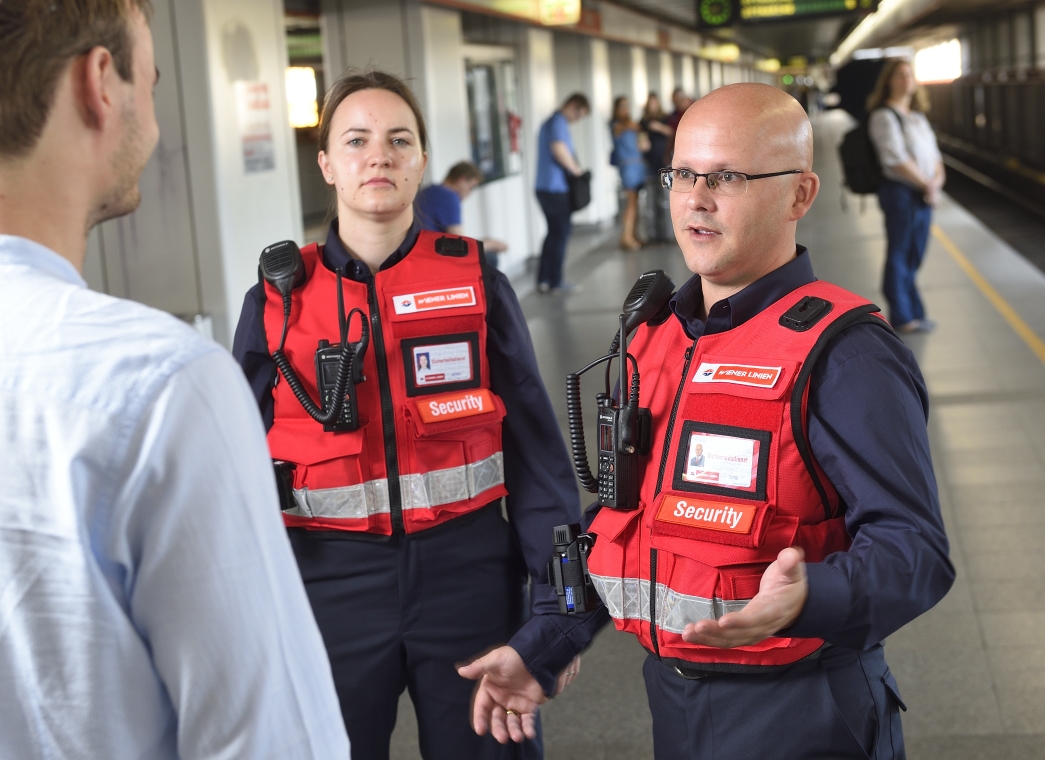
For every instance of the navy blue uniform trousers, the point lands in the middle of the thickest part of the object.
(843, 705)
(399, 614)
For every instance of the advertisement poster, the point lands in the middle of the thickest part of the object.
(254, 116)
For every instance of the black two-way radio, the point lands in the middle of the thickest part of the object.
(624, 427)
(339, 368)
(624, 435)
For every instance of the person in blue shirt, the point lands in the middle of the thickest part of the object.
(555, 157)
(438, 207)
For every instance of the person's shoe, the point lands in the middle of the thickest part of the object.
(543, 287)
(566, 288)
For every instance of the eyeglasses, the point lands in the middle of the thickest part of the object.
(720, 183)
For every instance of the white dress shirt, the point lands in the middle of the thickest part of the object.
(150, 605)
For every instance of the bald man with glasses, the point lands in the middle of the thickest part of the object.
(762, 594)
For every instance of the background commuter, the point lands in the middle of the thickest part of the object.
(151, 605)
(555, 157)
(913, 177)
(657, 212)
(398, 526)
(629, 143)
(439, 206)
(764, 642)
(681, 101)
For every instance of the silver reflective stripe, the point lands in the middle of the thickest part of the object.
(623, 597)
(675, 610)
(438, 487)
(628, 598)
(431, 489)
(347, 502)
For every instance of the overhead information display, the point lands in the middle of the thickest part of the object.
(715, 14)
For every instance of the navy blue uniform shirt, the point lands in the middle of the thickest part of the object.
(868, 408)
(542, 491)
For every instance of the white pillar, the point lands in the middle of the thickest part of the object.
(539, 101)
(445, 94)
(639, 76)
(704, 76)
(667, 76)
(689, 80)
(603, 175)
(258, 201)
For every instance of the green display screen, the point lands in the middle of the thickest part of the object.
(712, 14)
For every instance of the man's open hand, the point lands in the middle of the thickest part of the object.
(505, 684)
(778, 603)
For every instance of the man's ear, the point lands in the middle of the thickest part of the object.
(806, 190)
(95, 79)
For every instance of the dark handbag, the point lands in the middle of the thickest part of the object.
(580, 190)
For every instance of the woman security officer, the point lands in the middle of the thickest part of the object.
(397, 525)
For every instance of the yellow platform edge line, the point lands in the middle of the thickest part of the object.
(1015, 321)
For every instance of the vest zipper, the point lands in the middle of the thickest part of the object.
(671, 418)
(388, 426)
(660, 481)
(653, 601)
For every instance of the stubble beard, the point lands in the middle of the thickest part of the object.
(124, 195)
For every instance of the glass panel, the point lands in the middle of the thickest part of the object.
(493, 118)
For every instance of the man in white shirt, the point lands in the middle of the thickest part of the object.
(150, 605)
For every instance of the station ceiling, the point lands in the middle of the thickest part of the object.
(783, 39)
(816, 38)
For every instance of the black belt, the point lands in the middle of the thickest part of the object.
(695, 674)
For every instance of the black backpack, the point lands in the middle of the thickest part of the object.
(860, 167)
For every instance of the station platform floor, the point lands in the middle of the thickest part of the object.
(971, 670)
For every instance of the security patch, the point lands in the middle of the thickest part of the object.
(712, 515)
(454, 406)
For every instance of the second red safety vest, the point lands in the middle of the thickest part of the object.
(428, 447)
(730, 483)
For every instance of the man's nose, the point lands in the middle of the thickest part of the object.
(700, 197)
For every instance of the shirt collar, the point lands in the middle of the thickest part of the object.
(740, 307)
(20, 250)
(335, 255)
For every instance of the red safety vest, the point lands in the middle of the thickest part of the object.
(428, 447)
(730, 483)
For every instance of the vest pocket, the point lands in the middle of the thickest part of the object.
(615, 571)
(452, 464)
(331, 475)
(706, 573)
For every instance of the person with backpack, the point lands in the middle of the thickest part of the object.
(912, 177)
